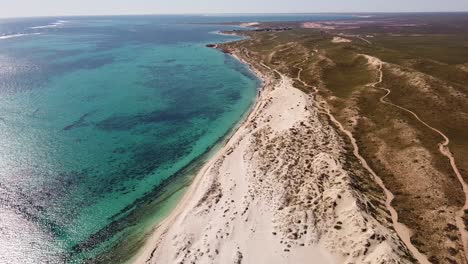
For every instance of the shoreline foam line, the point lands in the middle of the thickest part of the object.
(18, 35)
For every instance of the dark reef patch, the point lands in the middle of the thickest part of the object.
(232, 95)
(78, 123)
(86, 64)
(183, 114)
(58, 54)
(128, 122)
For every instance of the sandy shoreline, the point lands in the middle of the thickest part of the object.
(147, 251)
(278, 185)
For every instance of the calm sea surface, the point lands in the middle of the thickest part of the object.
(101, 121)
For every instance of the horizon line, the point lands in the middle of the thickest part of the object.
(241, 13)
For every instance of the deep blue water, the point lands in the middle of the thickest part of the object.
(100, 121)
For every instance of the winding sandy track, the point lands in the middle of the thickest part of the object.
(365, 40)
(443, 148)
(402, 230)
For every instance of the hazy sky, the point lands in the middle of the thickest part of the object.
(15, 8)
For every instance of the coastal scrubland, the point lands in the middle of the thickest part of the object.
(399, 86)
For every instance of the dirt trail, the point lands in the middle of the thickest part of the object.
(365, 40)
(402, 230)
(443, 148)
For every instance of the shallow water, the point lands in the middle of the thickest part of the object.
(101, 119)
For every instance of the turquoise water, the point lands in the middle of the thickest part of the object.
(101, 122)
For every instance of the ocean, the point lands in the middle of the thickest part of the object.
(103, 122)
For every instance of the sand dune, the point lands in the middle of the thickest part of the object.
(278, 192)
